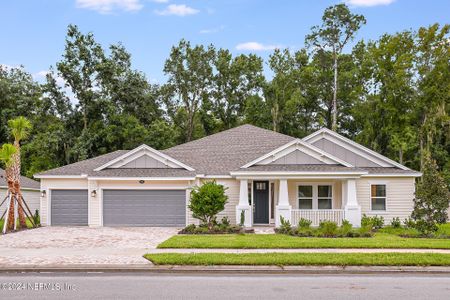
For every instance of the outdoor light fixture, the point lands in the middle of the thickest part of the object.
(141, 181)
(93, 193)
(43, 193)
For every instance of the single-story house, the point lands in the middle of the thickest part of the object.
(323, 176)
(30, 191)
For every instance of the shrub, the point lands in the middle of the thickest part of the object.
(328, 228)
(377, 222)
(37, 218)
(409, 223)
(304, 223)
(285, 227)
(426, 227)
(366, 221)
(395, 223)
(207, 201)
(374, 222)
(432, 197)
(346, 228)
(242, 221)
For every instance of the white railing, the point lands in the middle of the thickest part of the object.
(317, 215)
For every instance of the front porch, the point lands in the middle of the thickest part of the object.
(263, 201)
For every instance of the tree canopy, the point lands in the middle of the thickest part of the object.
(393, 95)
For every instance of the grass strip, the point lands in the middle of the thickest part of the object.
(278, 241)
(302, 259)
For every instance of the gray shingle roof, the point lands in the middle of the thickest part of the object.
(217, 154)
(143, 173)
(25, 182)
(220, 153)
(384, 170)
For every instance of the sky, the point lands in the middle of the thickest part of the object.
(33, 31)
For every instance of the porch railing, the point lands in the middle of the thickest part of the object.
(317, 215)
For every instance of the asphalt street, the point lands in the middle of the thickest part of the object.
(226, 286)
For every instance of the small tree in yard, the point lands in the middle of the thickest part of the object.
(432, 198)
(207, 201)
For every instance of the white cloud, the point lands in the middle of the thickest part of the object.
(212, 30)
(255, 46)
(368, 2)
(108, 6)
(177, 10)
(160, 1)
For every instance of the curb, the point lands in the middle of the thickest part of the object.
(145, 268)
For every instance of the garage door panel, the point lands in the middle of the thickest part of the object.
(144, 208)
(69, 207)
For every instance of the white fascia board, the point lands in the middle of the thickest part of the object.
(214, 176)
(148, 148)
(393, 175)
(320, 133)
(22, 188)
(296, 173)
(142, 178)
(302, 143)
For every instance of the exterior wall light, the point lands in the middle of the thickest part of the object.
(43, 193)
(93, 193)
(141, 181)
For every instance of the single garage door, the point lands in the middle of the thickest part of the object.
(69, 207)
(156, 208)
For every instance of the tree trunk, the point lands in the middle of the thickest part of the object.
(400, 156)
(190, 126)
(16, 185)
(335, 87)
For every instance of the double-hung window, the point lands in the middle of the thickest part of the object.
(378, 196)
(305, 196)
(315, 196)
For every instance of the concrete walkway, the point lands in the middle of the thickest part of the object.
(315, 250)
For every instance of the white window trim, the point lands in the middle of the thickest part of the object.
(315, 193)
(379, 182)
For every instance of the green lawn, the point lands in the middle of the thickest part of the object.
(298, 259)
(272, 241)
(29, 224)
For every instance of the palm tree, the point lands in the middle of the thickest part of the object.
(7, 152)
(20, 129)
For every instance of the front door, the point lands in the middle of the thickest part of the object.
(261, 202)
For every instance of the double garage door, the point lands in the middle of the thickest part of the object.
(122, 207)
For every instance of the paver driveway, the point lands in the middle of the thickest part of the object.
(81, 245)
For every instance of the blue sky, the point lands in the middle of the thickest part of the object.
(32, 32)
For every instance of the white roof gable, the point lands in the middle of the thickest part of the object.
(365, 153)
(146, 155)
(297, 145)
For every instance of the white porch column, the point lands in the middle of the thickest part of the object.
(283, 209)
(352, 209)
(243, 205)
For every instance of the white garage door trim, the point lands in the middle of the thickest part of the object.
(158, 188)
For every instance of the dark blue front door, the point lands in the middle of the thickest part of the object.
(261, 202)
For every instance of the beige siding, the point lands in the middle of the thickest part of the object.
(399, 197)
(32, 198)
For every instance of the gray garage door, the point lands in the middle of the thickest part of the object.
(144, 208)
(69, 207)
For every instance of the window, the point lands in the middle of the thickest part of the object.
(315, 196)
(249, 188)
(261, 186)
(305, 196)
(378, 196)
(324, 196)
